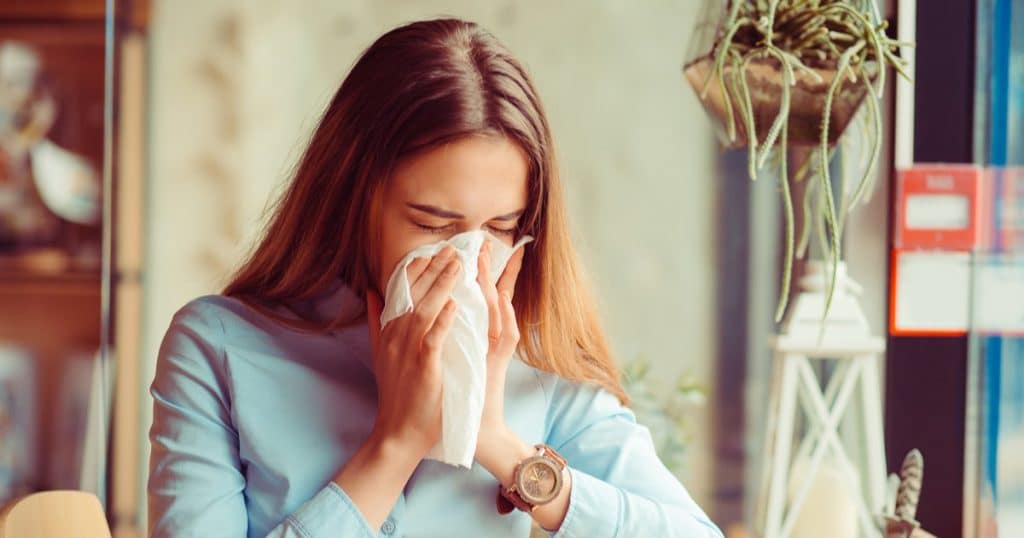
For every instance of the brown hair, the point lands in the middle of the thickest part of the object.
(417, 87)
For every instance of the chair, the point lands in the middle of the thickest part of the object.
(55, 514)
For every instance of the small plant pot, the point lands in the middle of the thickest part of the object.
(764, 80)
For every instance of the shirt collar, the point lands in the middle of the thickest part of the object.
(338, 299)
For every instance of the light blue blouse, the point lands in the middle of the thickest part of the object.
(252, 420)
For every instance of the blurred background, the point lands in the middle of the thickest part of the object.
(141, 140)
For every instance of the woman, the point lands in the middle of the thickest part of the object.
(282, 408)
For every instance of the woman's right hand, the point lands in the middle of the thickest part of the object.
(406, 355)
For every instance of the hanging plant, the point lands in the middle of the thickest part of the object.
(783, 73)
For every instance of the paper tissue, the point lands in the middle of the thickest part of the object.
(464, 353)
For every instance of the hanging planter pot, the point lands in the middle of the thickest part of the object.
(765, 85)
(779, 73)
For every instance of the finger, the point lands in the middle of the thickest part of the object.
(507, 282)
(434, 338)
(436, 266)
(510, 328)
(424, 313)
(483, 277)
(416, 268)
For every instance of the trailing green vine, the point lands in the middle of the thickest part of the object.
(828, 41)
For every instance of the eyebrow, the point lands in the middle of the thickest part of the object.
(446, 214)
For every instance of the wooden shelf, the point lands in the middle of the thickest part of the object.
(134, 12)
(54, 316)
(77, 283)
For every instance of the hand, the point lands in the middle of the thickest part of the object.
(406, 355)
(499, 449)
(503, 337)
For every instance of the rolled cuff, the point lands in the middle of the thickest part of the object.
(598, 509)
(330, 513)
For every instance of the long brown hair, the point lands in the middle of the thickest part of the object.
(417, 87)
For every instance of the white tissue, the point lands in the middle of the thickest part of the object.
(464, 353)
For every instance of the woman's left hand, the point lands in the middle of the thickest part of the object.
(499, 449)
(503, 335)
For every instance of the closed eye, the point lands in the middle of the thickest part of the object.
(511, 232)
(434, 229)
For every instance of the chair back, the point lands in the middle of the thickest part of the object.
(55, 514)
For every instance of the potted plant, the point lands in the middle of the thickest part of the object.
(776, 74)
(668, 415)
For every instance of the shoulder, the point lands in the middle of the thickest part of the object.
(198, 329)
(562, 392)
(554, 387)
(574, 404)
(204, 332)
(212, 309)
(224, 320)
(202, 313)
(202, 328)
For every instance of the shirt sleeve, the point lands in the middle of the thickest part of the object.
(619, 486)
(196, 484)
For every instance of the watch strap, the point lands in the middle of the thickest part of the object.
(508, 500)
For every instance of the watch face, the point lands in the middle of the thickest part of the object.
(539, 480)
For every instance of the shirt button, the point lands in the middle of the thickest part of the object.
(388, 527)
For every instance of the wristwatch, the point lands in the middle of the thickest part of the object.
(537, 480)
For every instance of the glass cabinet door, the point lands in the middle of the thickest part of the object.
(995, 429)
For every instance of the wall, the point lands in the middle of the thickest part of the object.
(235, 92)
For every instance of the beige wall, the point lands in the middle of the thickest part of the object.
(235, 92)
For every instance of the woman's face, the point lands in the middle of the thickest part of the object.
(474, 183)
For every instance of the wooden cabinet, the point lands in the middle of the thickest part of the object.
(130, 13)
(70, 290)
